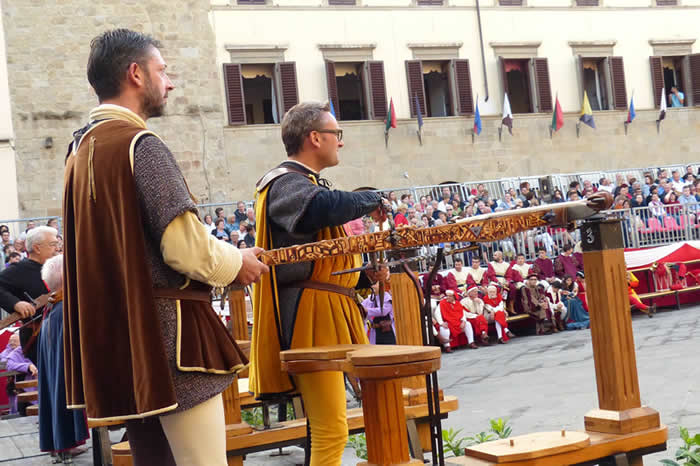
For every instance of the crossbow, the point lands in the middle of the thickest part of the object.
(482, 228)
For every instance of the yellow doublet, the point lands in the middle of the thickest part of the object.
(323, 318)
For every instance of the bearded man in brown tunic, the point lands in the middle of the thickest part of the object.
(142, 342)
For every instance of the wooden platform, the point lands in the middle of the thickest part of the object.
(602, 446)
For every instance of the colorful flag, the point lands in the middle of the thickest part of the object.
(631, 114)
(390, 117)
(332, 109)
(507, 115)
(586, 112)
(557, 117)
(418, 114)
(477, 118)
(662, 111)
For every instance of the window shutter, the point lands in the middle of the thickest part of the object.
(666, 3)
(341, 2)
(251, 2)
(657, 78)
(233, 82)
(617, 82)
(288, 90)
(510, 2)
(694, 90)
(504, 76)
(376, 88)
(463, 86)
(414, 76)
(332, 86)
(429, 2)
(579, 63)
(544, 89)
(586, 2)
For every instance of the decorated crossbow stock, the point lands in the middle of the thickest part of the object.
(479, 229)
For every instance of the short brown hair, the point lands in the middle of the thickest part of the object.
(299, 121)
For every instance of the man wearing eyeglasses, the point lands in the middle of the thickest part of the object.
(23, 280)
(302, 305)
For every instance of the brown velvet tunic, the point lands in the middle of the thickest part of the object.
(126, 352)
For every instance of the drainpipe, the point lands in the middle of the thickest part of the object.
(483, 55)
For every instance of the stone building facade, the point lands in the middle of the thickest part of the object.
(47, 43)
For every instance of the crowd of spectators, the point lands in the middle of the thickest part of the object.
(13, 250)
(238, 229)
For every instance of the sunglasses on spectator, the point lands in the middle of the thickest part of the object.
(338, 132)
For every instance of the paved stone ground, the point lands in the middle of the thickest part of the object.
(538, 383)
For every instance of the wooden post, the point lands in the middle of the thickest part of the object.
(619, 400)
(239, 314)
(232, 415)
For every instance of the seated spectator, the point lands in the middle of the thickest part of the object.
(450, 214)
(10, 387)
(581, 285)
(515, 278)
(495, 311)
(242, 230)
(677, 182)
(19, 245)
(61, 429)
(392, 200)
(566, 263)
(672, 206)
(400, 217)
(635, 302)
(209, 223)
(231, 224)
(456, 207)
(234, 237)
(498, 268)
(250, 236)
(219, 213)
(605, 185)
(250, 216)
(524, 192)
(638, 201)
(575, 187)
(381, 320)
(240, 212)
(588, 184)
(544, 239)
(220, 231)
(534, 303)
(422, 204)
(474, 311)
(451, 316)
(687, 199)
(16, 361)
(508, 201)
(13, 258)
(558, 196)
(445, 199)
(460, 274)
(477, 275)
(5, 239)
(656, 207)
(429, 213)
(577, 317)
(544, 268)
(241, 244)
(556, 305)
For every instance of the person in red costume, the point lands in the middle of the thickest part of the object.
(495, 311)
(474, 307)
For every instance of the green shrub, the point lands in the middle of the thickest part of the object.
(689, 453)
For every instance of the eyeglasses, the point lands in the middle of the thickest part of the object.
(338, 132)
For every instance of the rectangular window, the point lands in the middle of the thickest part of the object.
(666, 2)
(259, 93)
(357, 89)
(428, 2)
(586, 2)
(679, 76)
(251, 2)
(442, 87)
(526, 80)
(510, 2)
(341, 2)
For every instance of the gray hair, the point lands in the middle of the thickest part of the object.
(37, 235)
(52, 272)
(299, 121)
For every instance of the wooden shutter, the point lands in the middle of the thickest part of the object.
(586, 2)
(657, 78)
(288, 90)
(504, 75)
(618, 99)
(429, 2)
(510, 2)
(463, 87)
(341, 2)
(376, 89)
(666, 3)
(693, 92)
(414, 77)
(332, 86)
(581, 81)
(233, 82)
(544, 89)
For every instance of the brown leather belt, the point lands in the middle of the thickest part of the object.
(349, 292)
(183, 295)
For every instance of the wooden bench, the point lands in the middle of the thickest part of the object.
(290, 432)
(27, 383)
(675, 293)
(33, 410)
(28, 397)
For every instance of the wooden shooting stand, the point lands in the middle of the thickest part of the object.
(238, 313)
(621, 429)
(380, 369)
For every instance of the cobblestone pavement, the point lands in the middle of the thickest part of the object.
(538, 383)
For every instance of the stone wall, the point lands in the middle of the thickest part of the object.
(47, 49)
(448, 154)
